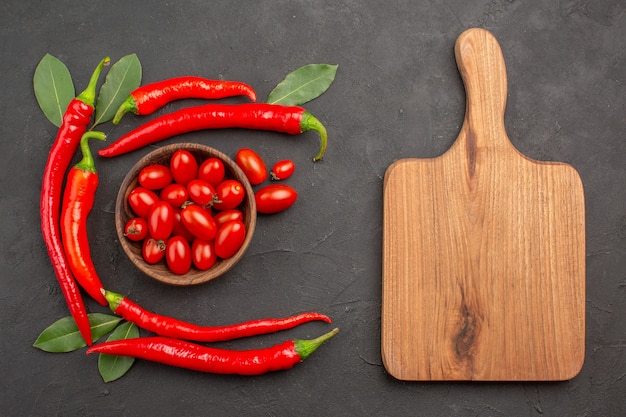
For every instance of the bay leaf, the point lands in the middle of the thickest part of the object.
(54, 88)
(303, 85)
(112, 367)
(63, 335)
(123, 77)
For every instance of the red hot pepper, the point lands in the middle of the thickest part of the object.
(174, 328)
(183, 354)
(75, 121)
(261, 116)
(78, 198)
(149, 98)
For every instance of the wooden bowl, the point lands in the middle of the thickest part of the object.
(123, 214)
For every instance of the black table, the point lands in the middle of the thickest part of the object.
(397, 94)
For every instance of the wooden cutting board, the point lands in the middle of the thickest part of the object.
(483, 250)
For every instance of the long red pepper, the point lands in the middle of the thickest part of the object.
(78, 198)
(196, 357)
(261, 116)
(149, 98)
(75, 121)
(171, 327)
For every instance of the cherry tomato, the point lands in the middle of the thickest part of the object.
(179, 228)
(175, 194)
(198, 221)
(153, 250)
(184, 166)
(141, 200)
(282, 170)
(212, 171)
(227, 216)
(252, 165)
(178, 255)
(201, 192)
(203, 254)
(154, 177)
(161, 220)
(136, 229)
(230, 194)
(274, 198)
(229, 239)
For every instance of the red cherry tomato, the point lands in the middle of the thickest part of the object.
(178, 255)
(252, 165)
(136, 229)
(175, 194)
(161, 220)
(179, 228)
(203, 254)
(201, 192)
(198, 221)
(141, 200)
(154, 177)
(229, 239)
(153, 250)
(222, 217)
(230, 194)
(184, 166)
(282, 170)
(274, 198)
(212, 171)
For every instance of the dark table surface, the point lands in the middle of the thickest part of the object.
(397, 94)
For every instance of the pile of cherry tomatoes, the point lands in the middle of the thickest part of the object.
(271, 198)
(188, 213)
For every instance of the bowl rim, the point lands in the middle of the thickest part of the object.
(123, 213)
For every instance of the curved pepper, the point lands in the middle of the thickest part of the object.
(78, 198)
(75, 121)
(149, 98)
(196, 357)
(171, 327)
(261, 116)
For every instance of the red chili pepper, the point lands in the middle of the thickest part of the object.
(149, 98)
(275, 117)
(196, 357)
(75, 121)
(78, 198)
(171, 327)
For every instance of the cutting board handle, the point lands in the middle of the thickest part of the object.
(481, 65)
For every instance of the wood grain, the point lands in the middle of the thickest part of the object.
(483, 250)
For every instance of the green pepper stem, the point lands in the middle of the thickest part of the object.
(309, 122)
(87, 164)
(89, 95)
(113, 298)
(129, 105)
(305, 347)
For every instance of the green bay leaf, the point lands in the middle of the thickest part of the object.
(303, 85)
(112, 367)
(123, 77)
(54, 88)
(102, 324)
(63, 335)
